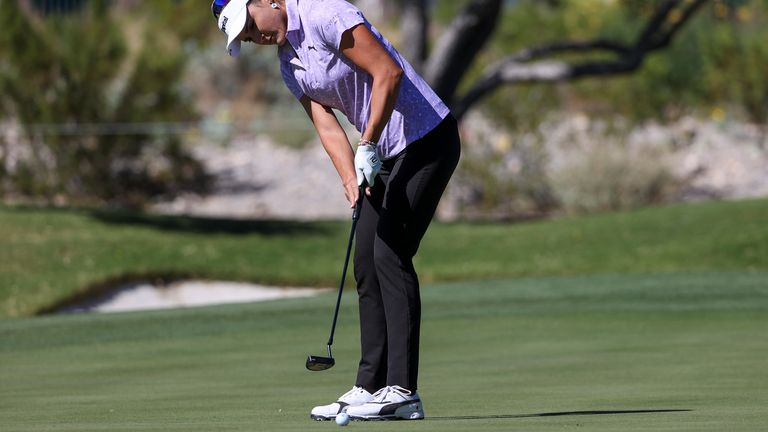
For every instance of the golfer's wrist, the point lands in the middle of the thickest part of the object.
(366, 142)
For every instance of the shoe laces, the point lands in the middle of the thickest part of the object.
(353, 391)
(382, 393)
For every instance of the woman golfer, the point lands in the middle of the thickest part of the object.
(331, 57)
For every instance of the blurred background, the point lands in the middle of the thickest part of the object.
(566, 106)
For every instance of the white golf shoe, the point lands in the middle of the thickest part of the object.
(355, 397)
(389, 403)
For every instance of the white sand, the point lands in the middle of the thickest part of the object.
(145, 296)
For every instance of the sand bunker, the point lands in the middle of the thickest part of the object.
(146, 296)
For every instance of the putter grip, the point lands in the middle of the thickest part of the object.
(359, 203)
(356, 211)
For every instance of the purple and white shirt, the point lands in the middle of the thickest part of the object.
(313, 65)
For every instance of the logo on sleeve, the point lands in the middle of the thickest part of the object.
(224, 24)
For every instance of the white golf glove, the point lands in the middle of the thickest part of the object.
(367, 164)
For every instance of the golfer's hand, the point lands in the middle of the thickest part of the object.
(352, 192)
(367, 166)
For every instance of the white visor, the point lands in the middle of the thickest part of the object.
(231, 22)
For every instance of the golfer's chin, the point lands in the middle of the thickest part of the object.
(279, 42)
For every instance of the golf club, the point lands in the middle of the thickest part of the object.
(320, 363)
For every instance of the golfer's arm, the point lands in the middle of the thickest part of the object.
(363, 49)
(333, 137)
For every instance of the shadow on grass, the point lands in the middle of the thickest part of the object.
(191, 224)
(209, 225)
(557, 414)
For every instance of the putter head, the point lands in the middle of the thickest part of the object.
(319, 363)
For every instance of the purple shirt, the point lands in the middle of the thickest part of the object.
(313, 65)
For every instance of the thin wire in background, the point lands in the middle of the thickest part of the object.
(163, 128)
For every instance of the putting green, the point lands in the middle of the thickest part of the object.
(676, 352)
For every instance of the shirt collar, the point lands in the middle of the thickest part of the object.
(292, 9)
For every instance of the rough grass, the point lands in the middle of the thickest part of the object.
(672, 352)
(47, 255)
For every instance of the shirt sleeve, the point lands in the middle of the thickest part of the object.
(341, 16)
(290, 80)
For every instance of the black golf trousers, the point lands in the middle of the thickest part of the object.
(392, 222)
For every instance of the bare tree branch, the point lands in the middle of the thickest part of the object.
(655, 24)
(685, 16)
(657, 34)
(529, 54)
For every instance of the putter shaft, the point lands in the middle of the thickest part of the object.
(355, 217)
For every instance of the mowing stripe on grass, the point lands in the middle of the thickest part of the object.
(676, 352)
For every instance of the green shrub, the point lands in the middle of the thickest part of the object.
(60, 72)
(719, 60)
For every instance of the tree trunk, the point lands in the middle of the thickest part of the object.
(413, 31)
(459, 45)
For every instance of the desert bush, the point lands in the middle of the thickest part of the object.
(500, 175)
(245, 96)
(608, 173)
(61, 73)
(570, 164)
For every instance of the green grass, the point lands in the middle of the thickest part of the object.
(48, 255)
(495, 352)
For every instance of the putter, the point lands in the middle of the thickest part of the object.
(320, 363)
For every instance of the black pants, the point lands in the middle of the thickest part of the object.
(392, 223)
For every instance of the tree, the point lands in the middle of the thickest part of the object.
(467, 35)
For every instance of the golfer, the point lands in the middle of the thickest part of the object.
(331, 57)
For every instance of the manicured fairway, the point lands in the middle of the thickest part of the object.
(47, 255)
(672, 352)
